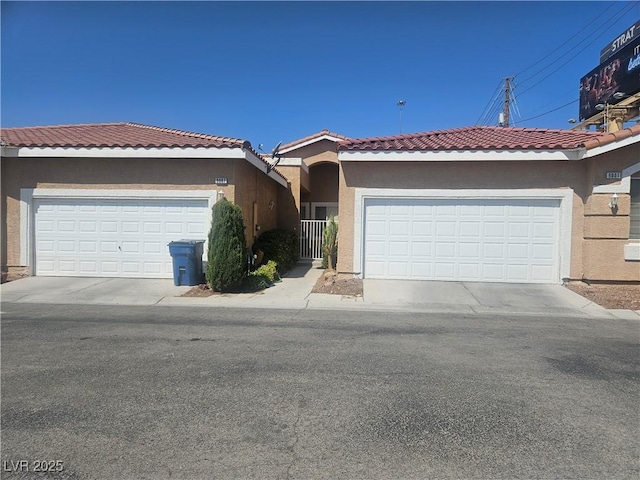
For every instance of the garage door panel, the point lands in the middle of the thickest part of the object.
(473, 240)
(469, 271)
(420, 270)
(88, 267)
(444, 250)
(543, 252)
(87, 226)
(446, 229)
(398, 269)
(399, 228)
(445, 271)
(469, 250)
(469, 229)
(398, 248)
(113, 237)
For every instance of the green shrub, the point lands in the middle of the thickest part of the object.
(280, 246)
(227, 247)
(269, 271)
(255, 283)
(261, 278)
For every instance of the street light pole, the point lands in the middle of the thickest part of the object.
(401, 104)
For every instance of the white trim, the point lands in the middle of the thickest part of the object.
(7, 151)
(459, 155)
(130, 152)
(257, 162)
(565, 195)
(625, 183)
(320, 204)
(309, 142)
(632, 251)
(612, 146)
(28, 195)
(293, 162)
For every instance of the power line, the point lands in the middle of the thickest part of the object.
(491, 99)
(547, 113)
(574, 57)
(567, 41)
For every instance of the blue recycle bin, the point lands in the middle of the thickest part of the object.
(187, 261)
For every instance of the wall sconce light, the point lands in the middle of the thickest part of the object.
(219, 195)
(613, 204)
(271, 205)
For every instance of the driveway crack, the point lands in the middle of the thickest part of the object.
(472, 295)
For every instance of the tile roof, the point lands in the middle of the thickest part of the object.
(122, 135)
(606, 138)
(118, 135)
(314, 136)
(478, 138)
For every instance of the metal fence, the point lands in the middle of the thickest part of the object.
(311, 235)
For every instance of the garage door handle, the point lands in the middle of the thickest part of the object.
(119, 248)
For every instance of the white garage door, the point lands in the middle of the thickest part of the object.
(113, 238)
(462, 240)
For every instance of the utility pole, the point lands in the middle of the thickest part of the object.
(507, 100)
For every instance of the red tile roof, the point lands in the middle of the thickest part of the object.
(112, 135)
(314, 136)
(606, 138)
(478, 138)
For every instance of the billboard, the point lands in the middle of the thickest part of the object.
(619, 73)
(627, 36)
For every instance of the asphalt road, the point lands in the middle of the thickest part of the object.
(157, 392)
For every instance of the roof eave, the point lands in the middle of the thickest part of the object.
(569, 154)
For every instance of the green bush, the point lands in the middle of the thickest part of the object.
(280, 246)
(255, 283)
(269, 271)
(261, 278)
(227, 247)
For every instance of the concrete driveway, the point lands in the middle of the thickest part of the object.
(294, 292)
(81, 290)
(470, 297)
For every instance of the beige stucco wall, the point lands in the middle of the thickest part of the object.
(607, 231)
(324, 183)
(318, 152)
(253, 187)
(151, 174)
(289, 198)
(598, 234)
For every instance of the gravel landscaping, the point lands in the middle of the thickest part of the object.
(618, 296)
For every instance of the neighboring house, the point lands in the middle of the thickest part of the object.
(491, 204)
(106, 199)
(311, 166)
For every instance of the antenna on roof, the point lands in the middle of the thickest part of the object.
(275, 154)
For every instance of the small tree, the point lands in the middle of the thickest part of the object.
(227, 247)
(330, 243)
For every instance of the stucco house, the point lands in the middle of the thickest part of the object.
(106, 199)
(491, 204)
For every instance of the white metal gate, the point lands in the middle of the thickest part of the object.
(311, 235)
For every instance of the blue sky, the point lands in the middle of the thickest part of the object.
(272, 71)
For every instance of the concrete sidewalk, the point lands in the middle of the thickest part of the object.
(294, 292)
